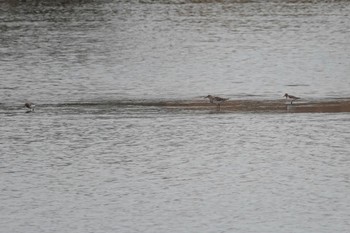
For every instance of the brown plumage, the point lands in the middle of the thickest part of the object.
(216, 100)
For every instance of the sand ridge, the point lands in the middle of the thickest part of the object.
(331, 105)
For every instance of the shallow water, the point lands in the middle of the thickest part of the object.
(155, 171)
(87, 161)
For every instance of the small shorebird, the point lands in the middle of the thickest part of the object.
(29, 105)
(216, 100)
(292, 97)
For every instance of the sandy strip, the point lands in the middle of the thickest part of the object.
(338, 105)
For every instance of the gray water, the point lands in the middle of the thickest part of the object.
(85, 161)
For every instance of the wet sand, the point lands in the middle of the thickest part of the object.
(317, 106)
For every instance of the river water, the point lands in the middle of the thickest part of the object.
(92, 159)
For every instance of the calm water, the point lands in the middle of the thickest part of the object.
(84, 162)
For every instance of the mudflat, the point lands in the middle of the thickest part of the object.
(317, 106)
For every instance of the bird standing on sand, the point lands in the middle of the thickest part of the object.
(216, 100)
(30, 105)
(292, 97)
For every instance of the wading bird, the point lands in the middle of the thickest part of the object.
(291, 97)
(30, 106)
(216, 100)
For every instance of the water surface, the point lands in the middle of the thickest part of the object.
(87, 161)
(130, 50)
